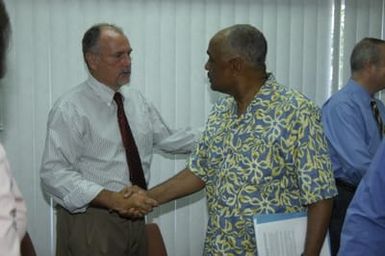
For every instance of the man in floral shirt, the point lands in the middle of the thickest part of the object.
(263, 150)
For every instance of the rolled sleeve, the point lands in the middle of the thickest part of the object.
(78, 199)
(60, 178)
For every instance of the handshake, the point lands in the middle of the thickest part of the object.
(135, 202)
(132, 202)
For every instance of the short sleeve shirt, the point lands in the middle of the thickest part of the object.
(271, 159)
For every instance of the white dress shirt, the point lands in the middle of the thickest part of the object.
(84, 152)
(13, 218)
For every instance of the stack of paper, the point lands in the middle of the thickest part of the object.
(283, 234)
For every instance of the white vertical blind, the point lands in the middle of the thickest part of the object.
(169, 39)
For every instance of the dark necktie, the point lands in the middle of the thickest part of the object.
(132, 155)
(377, 117)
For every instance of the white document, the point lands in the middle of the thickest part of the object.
(283, 234)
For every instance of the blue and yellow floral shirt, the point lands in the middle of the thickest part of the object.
(271, 159)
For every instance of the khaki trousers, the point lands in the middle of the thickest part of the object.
(99, 232)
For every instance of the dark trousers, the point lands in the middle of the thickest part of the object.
(340, 205)
(98, 232)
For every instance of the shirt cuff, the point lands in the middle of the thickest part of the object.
(79, 199)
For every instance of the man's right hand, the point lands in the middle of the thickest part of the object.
(129, 202)
(137, 203)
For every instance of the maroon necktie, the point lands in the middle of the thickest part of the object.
(132, 155)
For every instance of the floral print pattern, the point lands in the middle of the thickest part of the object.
(271, 159)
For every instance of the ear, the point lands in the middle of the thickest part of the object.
(92, 60)
(370, 69)
(237, 64)
(368, 65)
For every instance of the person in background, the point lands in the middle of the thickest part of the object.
(100, 139)
(13, 212)
(263, 151)
(353, 123)
(363, 232)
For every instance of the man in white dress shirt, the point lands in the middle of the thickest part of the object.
(84, 165)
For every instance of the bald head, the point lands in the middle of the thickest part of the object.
(244, 41)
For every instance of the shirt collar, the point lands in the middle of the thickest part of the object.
(263, 93)
(356, 87)
(105, 93)
(265, 88)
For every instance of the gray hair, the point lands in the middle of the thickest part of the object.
(365, 51)
(91, 37)
(248, 42)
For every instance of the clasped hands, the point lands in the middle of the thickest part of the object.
(134, 202)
